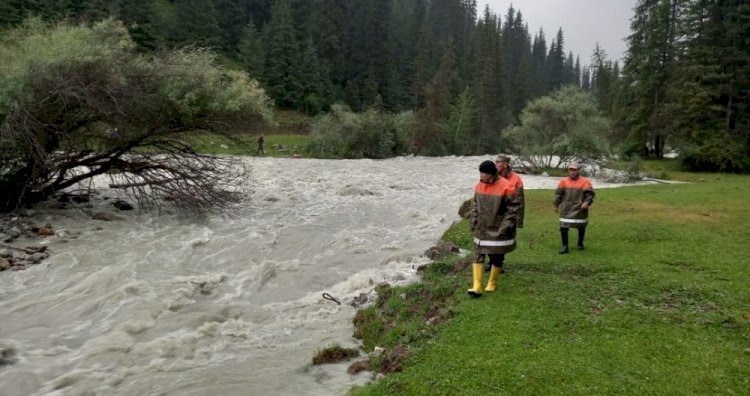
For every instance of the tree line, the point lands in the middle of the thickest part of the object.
(453, 80)
(393, 55)
(685, 83)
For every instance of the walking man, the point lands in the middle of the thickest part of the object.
(504, 170)
(261, 140)
(573, 197)
(502, 163)
(494, 216)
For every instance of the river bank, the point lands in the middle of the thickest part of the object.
(158, 304)
(661, 283)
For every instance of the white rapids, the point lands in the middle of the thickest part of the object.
(155, 305)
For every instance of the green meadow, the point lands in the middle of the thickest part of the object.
(289, 135)
(658, 303)
(281, 145)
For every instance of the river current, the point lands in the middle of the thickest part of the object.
(157, 305)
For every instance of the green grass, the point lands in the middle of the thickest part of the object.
(667, 169)
(658, 303)
(288, 136)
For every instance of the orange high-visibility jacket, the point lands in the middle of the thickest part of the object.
(517, 183)
(494, 216)
(569, 196)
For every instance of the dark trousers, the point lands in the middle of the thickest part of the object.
(564, 235)
(495, 259)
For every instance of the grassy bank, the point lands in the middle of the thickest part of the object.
(290, 135)
(658, 303)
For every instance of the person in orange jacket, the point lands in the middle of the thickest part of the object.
(504, 170)
(573, 197)
(494, 216)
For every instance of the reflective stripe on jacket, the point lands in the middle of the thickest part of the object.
(569, 196)
(494, 216)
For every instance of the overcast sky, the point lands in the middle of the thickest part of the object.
(584, 22)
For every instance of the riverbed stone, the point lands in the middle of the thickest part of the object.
(104, 216)
(37, 258)
(122, 205)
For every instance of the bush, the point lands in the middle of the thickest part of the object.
(715, 157)
(558, 128)
(78, 101)
(633, 168)
(372, 134)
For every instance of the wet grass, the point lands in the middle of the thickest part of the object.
(334, 353)
(658, 303)
(289, 135)
(275, 145)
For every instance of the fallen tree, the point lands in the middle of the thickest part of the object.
(78, 102)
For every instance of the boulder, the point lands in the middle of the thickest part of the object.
(441, 250)
(122, 205)
(465, 210)
(104, 216)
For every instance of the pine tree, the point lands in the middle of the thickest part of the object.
(232, 19)
(250, 50)
(493, 111)
(539, 64)
(556, 62)
(422, 64)
(281, 71)
(313, 94)
(586, 79)
(518, 61)
(648, 64)
(327, 25)
(144, 22)
(708, 100)
(196, 23)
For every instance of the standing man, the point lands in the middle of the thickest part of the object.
(502, 163)
(573, 197)
(494, 216)
(504, 170)
(261, 140)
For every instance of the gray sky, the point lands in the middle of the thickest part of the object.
(584, 22)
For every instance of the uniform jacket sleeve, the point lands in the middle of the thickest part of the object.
(588, 195)
(473, 217)
(512, 215)
(559, 195)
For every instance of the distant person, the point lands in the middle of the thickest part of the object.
(504, 170)
(494, 216)
(261, 140)
(573, 197)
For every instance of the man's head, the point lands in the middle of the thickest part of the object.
(487, 171)
(502, 162)
(574, 169)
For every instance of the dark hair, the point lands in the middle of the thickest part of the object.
(488, 167)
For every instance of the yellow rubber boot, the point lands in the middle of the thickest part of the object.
(477, 269)
(494, 274)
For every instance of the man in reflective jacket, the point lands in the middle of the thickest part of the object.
(573, 197)
(494, 216)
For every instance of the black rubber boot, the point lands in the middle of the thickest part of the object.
(581, 234)
(564, 237)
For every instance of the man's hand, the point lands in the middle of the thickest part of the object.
(585, 205)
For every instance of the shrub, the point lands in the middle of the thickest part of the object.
(372, 134)
(715, 157)
(78, 101)
(558, 128)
